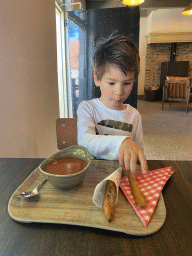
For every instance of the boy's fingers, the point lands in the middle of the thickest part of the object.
(128, 155)
(121, 159)
(143, 161)
(127, 158)
(133, 164)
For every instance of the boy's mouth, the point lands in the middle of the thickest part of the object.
(119, 100)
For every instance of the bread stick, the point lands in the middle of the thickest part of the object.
(109, 200)
(136, 192)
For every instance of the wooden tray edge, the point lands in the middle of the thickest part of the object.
(77, 224)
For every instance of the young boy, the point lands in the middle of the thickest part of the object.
(107, 127)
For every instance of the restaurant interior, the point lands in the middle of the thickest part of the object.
(29, 90)
(43, 65)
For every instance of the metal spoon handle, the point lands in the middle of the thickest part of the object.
(41, 184)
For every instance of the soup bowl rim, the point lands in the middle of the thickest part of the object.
(51, 159)
(66, 175)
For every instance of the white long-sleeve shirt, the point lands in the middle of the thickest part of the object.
(104, 141)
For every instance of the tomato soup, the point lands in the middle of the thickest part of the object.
(65, 166)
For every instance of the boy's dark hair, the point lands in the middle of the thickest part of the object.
(118, 50)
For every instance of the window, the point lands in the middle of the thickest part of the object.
(80, 42)
(74, 44)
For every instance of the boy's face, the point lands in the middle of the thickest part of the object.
(115, 87)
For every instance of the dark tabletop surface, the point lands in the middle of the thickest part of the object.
(35, 239)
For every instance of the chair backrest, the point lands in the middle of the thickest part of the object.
(66, 129)
(177, 88)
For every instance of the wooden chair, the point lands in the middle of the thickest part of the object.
(177, 89)
(66, 129)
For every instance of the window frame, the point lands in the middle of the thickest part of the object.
(64, 104)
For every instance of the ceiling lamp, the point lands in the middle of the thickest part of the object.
(188, 10)
(132, 2)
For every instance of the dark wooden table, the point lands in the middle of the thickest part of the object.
(21, 239)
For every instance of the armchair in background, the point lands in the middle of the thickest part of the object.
(177, 89)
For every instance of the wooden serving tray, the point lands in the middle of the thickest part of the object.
(75, 206)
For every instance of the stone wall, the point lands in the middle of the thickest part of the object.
(157, 53)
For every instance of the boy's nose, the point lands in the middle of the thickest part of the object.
(119, 90)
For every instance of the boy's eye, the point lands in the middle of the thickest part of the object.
(111, 83)
(127, 83)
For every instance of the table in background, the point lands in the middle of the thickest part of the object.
(21, 239)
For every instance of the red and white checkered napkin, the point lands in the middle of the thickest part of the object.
(151, 185)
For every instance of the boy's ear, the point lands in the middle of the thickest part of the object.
(95, 79)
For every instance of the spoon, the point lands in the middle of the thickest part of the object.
(34, 192)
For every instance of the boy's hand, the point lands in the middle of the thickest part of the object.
(129, 153)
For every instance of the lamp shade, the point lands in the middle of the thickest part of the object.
(188, 10)
(132, 2)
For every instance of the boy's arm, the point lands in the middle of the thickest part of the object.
(138, 138)
(132, 150)
(109, 147)
(100, 146)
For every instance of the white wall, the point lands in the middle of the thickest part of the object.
(142, 52)
(145, 25)
(29, 103)
(165, 20)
